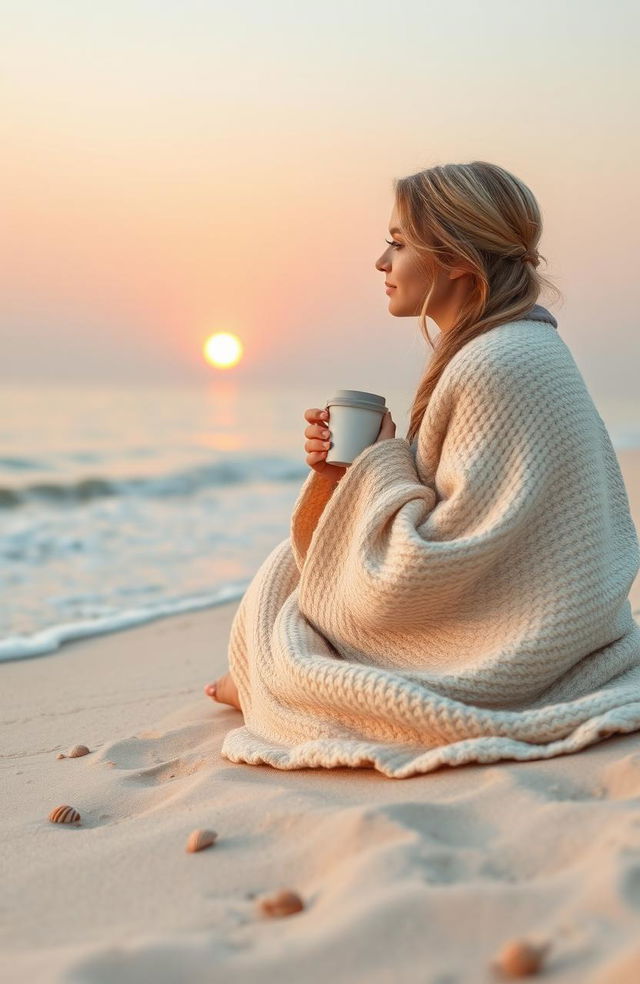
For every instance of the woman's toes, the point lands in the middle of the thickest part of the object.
(227, 692)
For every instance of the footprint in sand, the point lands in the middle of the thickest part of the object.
(160, 757)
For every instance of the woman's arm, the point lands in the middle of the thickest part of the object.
(316, 492)
(309, 506)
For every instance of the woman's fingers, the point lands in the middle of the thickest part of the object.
(317, 415)
(317, 430)
(316, 445)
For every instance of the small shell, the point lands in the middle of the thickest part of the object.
(519, 958)
(77, 751)
(199, 839)
(61, 755)
(283, 903)
(64, 814)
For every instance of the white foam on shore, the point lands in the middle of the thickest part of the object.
(50, 639)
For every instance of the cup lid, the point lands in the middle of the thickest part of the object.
(357, 398)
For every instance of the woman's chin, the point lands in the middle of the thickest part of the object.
(394, 308)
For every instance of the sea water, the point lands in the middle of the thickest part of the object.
(123, 504)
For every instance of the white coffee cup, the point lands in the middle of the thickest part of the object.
(354, 423)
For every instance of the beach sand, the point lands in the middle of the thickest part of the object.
(415, 880)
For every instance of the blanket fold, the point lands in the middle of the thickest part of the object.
(463, 598)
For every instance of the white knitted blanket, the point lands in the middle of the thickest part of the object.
(463, 598)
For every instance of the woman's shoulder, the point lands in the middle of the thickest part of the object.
(519, 371)
(512, 354)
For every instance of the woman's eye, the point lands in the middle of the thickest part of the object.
(392, 243)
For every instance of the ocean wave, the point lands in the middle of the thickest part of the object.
(21, 464)
(49, 639)
(240, 471)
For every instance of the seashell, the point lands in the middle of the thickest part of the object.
(77, 751)
(519, 958)
(199, 839)
(61, 755)
(283, 903)
(64, 814)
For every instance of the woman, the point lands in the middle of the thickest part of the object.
(460, 594)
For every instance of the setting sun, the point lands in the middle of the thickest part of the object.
(223, 350)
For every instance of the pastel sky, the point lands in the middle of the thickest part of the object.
(172, 169)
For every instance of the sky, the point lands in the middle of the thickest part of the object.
(174, 169)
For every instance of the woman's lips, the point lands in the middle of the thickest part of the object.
(388, 289)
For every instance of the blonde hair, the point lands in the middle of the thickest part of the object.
(483, 218)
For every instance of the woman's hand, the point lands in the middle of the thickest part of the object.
(318, 443)
(387, 428)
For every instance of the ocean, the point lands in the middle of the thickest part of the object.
(119, 505)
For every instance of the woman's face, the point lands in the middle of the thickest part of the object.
(405, 271)
(409, 275)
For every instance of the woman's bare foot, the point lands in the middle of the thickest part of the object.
(224, 691)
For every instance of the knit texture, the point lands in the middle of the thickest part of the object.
(460, 599)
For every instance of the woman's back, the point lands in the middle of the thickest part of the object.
(463, 600)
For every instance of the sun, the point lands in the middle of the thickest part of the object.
(223, 350)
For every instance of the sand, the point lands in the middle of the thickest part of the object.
(415, 880)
